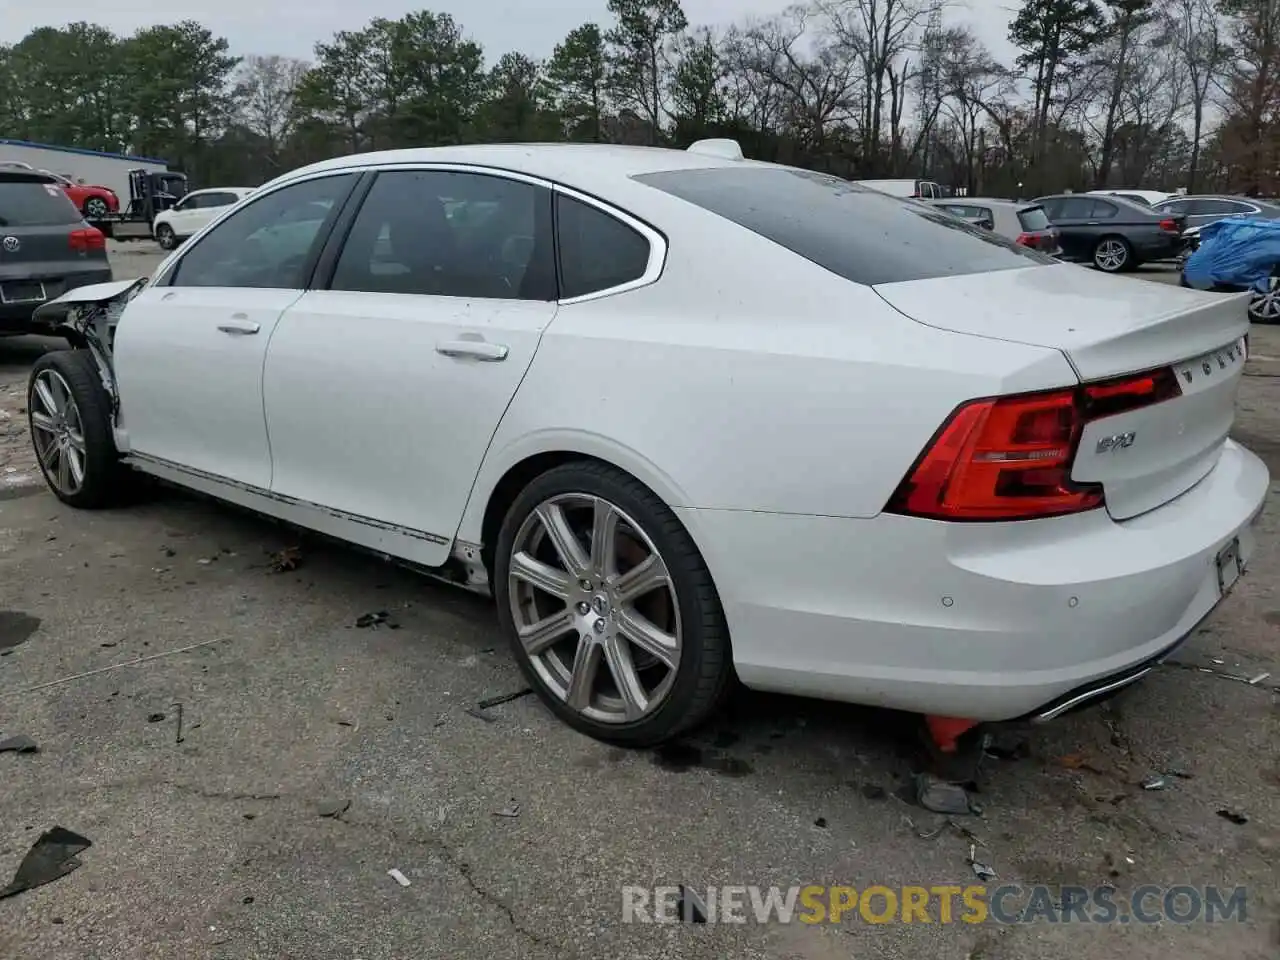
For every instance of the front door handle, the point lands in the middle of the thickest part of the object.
(240, 328)
(472, 349)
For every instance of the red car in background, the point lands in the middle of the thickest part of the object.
(93, 201)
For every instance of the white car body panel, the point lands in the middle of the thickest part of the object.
(773, 405)
(190, 393)
(404, 438)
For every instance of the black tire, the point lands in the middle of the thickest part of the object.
(705, 667)
(104, 475)
(165, 236)
(1128, 263)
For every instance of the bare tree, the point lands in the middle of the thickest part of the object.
(1197, 34)
(266, 88)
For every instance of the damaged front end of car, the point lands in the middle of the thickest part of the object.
(86, 318)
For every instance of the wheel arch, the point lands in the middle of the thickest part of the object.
(502, 478)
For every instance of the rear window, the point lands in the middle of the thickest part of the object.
(1033, 218)
(859, 234)
(24, 203)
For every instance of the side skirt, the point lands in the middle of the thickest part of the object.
(400, 545)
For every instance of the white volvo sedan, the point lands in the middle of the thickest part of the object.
(690, 418)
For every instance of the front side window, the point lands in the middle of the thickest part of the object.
(1075, 208)
(268, 244)
(859, 234)
(218, 200)
(451, 234)
(597, 251)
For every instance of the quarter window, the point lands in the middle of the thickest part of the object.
(268, 244)
(1102, 210)
(450, 234)
(597, 251)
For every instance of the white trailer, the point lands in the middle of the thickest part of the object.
(90, 167)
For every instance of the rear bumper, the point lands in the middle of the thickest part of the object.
(983, 621)
(16, 317)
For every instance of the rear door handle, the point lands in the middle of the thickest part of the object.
(472, 349)
(240, 328)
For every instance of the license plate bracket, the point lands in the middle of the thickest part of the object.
(1229, 566)
(22, 292)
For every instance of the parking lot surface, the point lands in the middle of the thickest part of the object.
(315, 755)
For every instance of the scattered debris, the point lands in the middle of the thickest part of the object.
(1076, 761)
(20, 743)
(503, 698)
(286, 560)
(821, 823)
(374, 620)
(333, 807)
(178, 738)
(109, 643)
(50, 858)
(1253, 682)
(116, 666)
(1238, 819)
(247, 900)
(1156, 781)
(205, 561)
(479, 715)
(980, 870)
(873, 791)
(398, 877)
(155, 717)
(939, 796)
(169, 552)
(510, 811)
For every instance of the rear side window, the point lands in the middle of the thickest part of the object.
(1102, 210)
(1033, 218)
(24, 203)
(597, 251)
(856, 233)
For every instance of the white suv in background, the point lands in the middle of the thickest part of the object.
(189, 215)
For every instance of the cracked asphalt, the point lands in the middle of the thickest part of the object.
(215, 846)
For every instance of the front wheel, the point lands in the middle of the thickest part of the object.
(166, 237)
(69, 413)
(609, 607)
(1112, 255)
(95, 208)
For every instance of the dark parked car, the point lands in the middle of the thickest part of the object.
(1201, 210)
(46, 248)
(1111, 233)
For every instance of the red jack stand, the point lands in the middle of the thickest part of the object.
(955, 747)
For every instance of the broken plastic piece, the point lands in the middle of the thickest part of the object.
(333, 807)
(939, 796)
(366, 620)
(50, 858)
(980, 870)
(19, 743)
(1237, 818)
(398, 877)
(511, 810)
(1155, 782)
(1258, 679)
(503, 698)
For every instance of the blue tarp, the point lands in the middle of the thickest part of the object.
(1236, 252)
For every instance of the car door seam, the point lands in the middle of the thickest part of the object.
(262, 386)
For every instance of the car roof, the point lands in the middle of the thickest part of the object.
(986, 201)
(194, 193)
(1108, 197)
(584, 165)
(18, 175)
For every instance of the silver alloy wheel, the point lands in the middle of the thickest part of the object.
(57, 432)
(96, 207)
(1265, 307)
(588, 588)
(1111, 255)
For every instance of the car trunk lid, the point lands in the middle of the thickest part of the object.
(1111, 327)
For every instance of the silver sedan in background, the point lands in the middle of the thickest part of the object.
(1022, 221)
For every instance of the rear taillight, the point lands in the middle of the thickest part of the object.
(1026, 240)
(1171, 225)
(86, 239)
(1010, 458)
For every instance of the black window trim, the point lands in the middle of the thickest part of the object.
(168, 268)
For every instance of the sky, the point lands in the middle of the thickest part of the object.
(292, 27)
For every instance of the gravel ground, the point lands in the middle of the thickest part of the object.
(215, 846)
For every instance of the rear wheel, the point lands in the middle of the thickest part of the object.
(68, 411)
(95, 208)
(1112, 255)
(609, 607)
(1265, 307)
(166, 237)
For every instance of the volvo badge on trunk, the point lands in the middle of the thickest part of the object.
(1117, 441)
